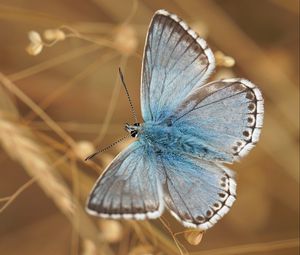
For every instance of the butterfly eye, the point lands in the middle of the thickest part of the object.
(133, 133)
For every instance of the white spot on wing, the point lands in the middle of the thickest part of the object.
(205, 226)
(259, 120)
(163, 12)
(213, 220)
(202, 42)
(140, 216)
(223, 211)
(258, 94)
(174, 17)
(184, 25)
(260, 107)
(246, 149)
(255, 135)
(248, 83)
(230, 200)
(192, 33)
(232, 187)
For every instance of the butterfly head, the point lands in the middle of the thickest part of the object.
(133, 129)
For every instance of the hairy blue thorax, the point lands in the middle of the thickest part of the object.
(177, 139)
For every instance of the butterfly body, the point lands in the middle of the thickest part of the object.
(190, 129)
(166, 138)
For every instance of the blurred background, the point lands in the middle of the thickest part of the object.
(60, 98)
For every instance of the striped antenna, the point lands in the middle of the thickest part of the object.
(127, 93)
(134, 116)
(106, 148)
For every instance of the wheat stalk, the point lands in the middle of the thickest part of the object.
(20, 144)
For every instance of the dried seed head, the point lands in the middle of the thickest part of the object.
(223, 60)
(193, 237)
(36, 43)
(126, 39)
(34, 49)
(83, 149)
(111, 230)
(54, 35)
(34, 37)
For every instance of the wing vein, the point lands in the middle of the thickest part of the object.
(216, 101)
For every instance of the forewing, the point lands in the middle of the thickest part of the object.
(227, 113)
(198, 193)
(175, 60)
(128, 187)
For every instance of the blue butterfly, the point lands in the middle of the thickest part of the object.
(190, 129)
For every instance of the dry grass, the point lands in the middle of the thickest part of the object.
(58, 106)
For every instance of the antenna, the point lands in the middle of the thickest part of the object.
(127, 93)
(134, 116)
(106, 148)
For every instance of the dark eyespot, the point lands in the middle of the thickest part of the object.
(239, 143)
(251, 107)
(246, 133)
(209, 213)
(250, 95)
(126, 210)
(222, 195)
(200, 218)
(196, 47)
(216, 205)
(138, 210)
(186, 216)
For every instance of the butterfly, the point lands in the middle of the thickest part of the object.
(190, 129)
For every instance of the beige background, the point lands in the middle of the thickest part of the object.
(76, 84)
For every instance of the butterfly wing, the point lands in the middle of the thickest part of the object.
(128, 187)
(227, 114)
(175, 61)
(197, 192)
